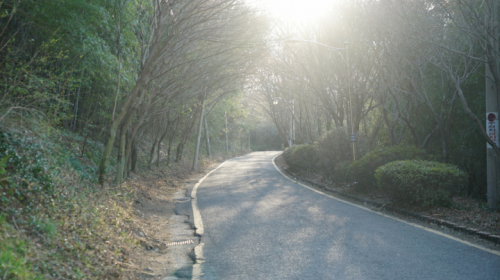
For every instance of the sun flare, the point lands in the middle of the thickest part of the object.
(296, 10)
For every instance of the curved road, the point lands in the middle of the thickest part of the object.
(258, 224)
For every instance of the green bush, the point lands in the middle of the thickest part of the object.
(341, 172)
(419, 182)
(288, 152)
(24, 160)
(300, 157)
(363, 170)
(334, 150)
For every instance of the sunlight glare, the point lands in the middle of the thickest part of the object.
(296, 10)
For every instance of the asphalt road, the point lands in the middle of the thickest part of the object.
(259, 225)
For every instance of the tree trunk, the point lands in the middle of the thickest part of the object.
(138, 90)
(121, 152)
(160, 141)
(169, 151)
(179, 151)
(208, 138)
(171, 139)
(151, 154)
(134, 158)
(392, 137)
(198, 138)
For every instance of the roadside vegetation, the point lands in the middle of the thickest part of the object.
(407, 174)
(94, 93)
(402, 176)
(407, 79)
(55, 221)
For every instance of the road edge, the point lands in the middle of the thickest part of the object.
(199, 228)
(383, 214)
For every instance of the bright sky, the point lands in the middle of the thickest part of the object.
(296, 10)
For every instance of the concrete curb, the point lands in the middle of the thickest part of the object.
(470, 231)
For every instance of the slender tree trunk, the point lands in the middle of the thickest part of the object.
(208, 138)
(160, 141)
(392, 137)
(152, 153)
(132, 134)
(121, 152)
(371, 139)
(179, 151)
(227, 142)
(126, 170)
(198, 138)
(121, 157)
(169, 151)
(119, 76)
(171, 139)
(134, 158)
(77, 101)
(158, 151)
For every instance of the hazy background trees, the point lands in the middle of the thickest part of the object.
(417, 77)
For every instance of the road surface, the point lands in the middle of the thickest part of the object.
(257, 224)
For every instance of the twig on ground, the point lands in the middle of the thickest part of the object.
(15, 224)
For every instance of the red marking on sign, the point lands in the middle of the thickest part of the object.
(491, 117)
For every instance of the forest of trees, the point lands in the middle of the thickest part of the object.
(97, 95)
(125, 72)
(410, 72)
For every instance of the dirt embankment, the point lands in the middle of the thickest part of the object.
(159, 254)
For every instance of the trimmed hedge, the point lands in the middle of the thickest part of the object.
(419, 182)
(300, 157)
(363, 170)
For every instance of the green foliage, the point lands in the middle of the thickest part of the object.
(35, 161)
(287, 153)
(423, 183)
(28, 169)
(341, 172)
(57, 49)
(48, 199)
(468, 150)
(335, 149)
(13, 254)
(363, 170)
(44, 226)
(301, 157)
(3, 163)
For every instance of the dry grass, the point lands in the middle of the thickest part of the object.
(57, 223)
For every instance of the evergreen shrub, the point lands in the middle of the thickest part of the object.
(341, 172)
(419, 182)
(363, 170)
(300, 157)
(334, 150)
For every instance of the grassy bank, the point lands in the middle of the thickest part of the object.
(56, 222)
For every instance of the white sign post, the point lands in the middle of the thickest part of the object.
(492, 127)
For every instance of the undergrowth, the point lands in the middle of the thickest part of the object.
(55, 221)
